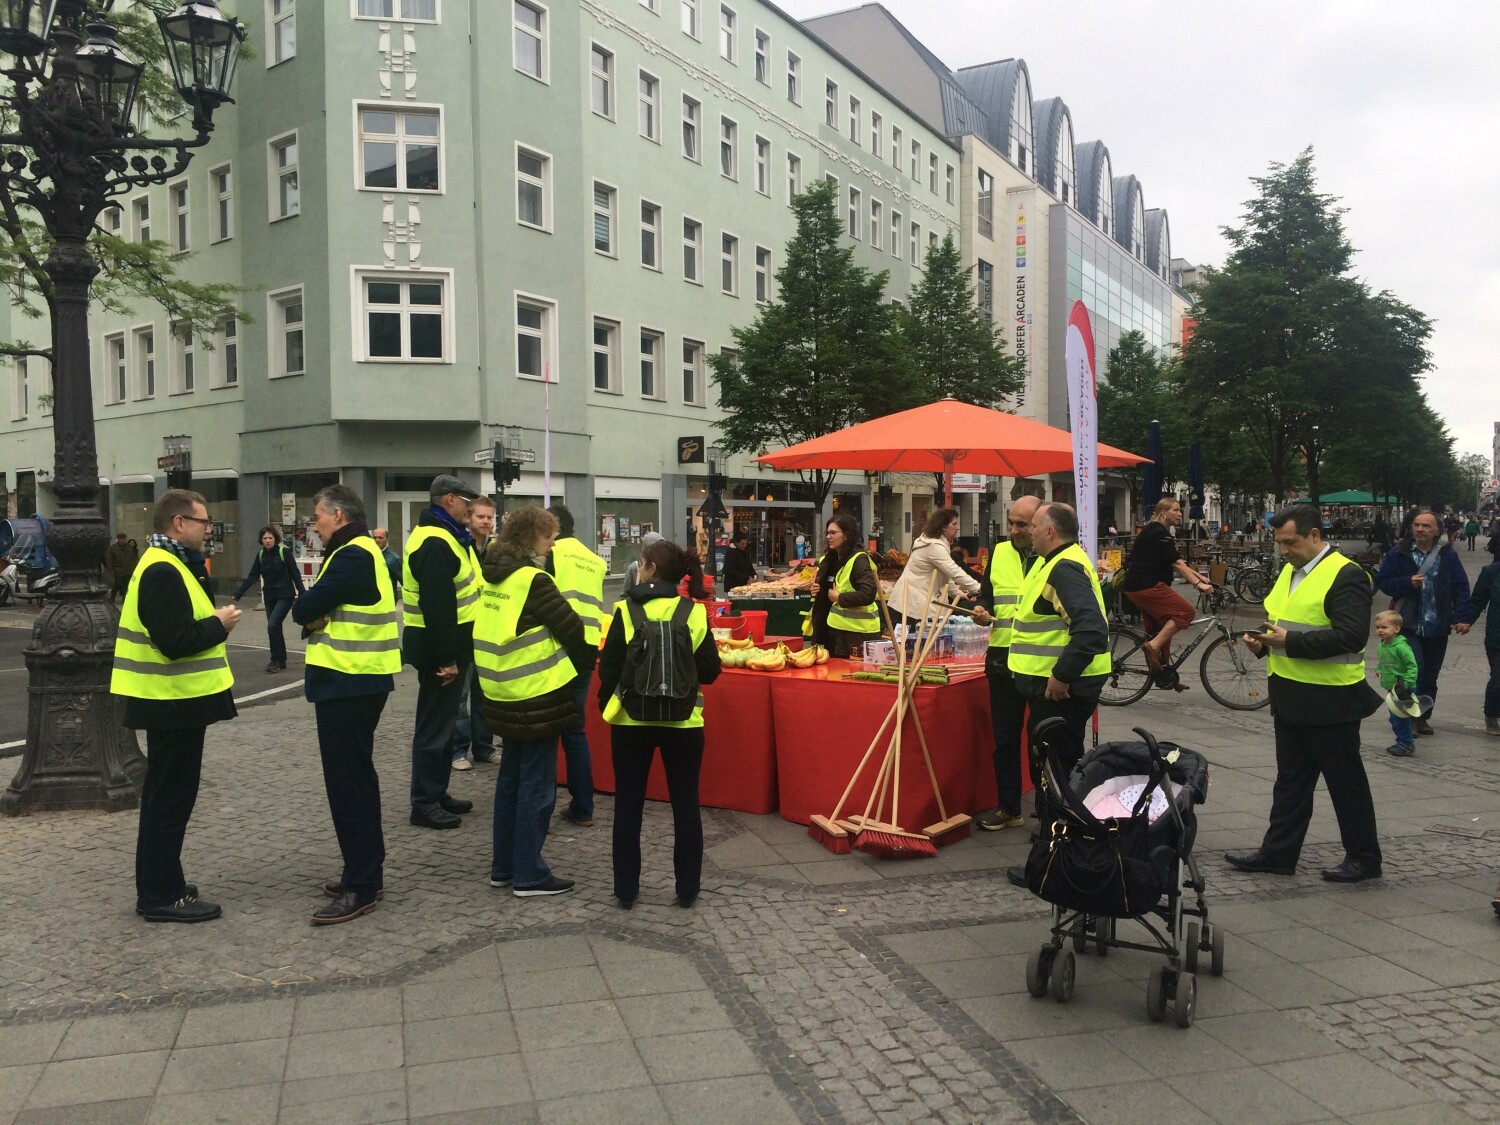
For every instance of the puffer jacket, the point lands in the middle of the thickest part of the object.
(554, 712)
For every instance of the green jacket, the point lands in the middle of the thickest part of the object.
(1395, 661)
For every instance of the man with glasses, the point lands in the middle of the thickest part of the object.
(172, 668)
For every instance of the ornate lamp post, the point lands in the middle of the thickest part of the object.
(71, 95)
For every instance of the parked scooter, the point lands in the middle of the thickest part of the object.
(10, 576)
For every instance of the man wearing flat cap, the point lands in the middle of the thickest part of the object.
(440, 595)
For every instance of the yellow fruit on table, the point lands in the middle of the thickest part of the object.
(804, 659)
(770, 662)
(822, 654)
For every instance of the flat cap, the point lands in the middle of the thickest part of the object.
(444, 484)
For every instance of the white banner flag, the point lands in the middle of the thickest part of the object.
(1083, 415)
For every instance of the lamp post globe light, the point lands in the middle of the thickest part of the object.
(70, 147)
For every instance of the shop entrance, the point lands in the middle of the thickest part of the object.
(400, 511)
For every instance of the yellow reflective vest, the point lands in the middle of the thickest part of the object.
(658, 609)
(360, 640)
(1007, 576)
(514, 667)
(580, 577)
(1038, 640)
(466, 582)
(859, 618)
(1300, 610)
(141, 671)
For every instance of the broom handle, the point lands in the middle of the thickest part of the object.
(904, 698)
(910, 689)
(838, 808)
(927, 757)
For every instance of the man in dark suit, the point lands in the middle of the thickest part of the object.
(1318, 622)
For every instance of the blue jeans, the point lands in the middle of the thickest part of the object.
(1401, 728)
(1429, 652)
(525, 795)
(275, 614)
(576, 753)
(468, 728)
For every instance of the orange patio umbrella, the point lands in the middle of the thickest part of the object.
(944, 437)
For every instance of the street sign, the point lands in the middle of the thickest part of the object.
(527, 455)
(690, 450)
(487, 456)
(483, 456)
(170, 461)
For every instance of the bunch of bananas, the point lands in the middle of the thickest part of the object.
(744, 654)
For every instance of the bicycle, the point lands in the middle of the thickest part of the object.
(1232, 675)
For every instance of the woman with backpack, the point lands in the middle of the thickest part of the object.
(281, 585)
(652, 624)
(844, 612)
(529, 645)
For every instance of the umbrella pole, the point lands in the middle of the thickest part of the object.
(948, 481)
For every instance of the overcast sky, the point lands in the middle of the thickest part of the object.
(1401, 103)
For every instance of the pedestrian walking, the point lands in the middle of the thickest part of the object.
(1428, 587)
(1318, 623)
(1396, 669)
(1451, 526)
(171, 665)
(353, 653)
(634, 741)
(579, 574)
(281, 586)
(1471, 530)
(120, 558)
(1487, 597)
(469, 736)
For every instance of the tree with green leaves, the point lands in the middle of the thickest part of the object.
(1137, 389)
(824, 355)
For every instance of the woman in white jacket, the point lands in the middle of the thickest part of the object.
(933, 551)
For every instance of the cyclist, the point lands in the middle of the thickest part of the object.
(1148, 583)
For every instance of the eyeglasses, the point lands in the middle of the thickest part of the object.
(204, 520)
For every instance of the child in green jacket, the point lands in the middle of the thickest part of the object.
(1397, 668)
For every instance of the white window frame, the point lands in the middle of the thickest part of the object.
(762, 165)
(729, 35)
(547, 334)
(543, 73)
(184, 362)
(544, 184)
(696, 242)
(278, 331)
(399, 138)
(896, 232)
(700, 380)
(648, 107)
(658, 355)
(112, 219)
(277, 172)
(397, 10)
(610, 350)
(877, 134)
(274, 24)
(952, 183)
(692, 19)
(877, 222)
(116, 369)
(692, 116)
(223, 200)
(20, 388)
(762, 275)
(610, 212)
(914, 244)
(794, 77)
(602, 80)
(762, 56)
(896, 136)
(932, 172)
(856, 115)
(359, 275)
(140, 218)
(180, 208)
(984, 220)
(793, 176)
(916, 159)
(830, 103)
(144, 361)
(856, 213)
(729, 264)
(226, 344)
(655, 229)
(652, 6)
(729, 148)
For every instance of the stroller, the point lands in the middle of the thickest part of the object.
(1134, 860)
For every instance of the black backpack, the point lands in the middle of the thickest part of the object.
(659, 683)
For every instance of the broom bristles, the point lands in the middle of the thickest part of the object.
(950, 831)
(830, 835)
(890, 842)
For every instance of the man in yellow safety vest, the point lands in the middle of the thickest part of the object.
(579, 574)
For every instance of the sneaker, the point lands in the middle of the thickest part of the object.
(500, 880)
(462, 764)
(487, 757)
(1401, 749)
(997, 819)
(189, 891)
(575, 818)
(552, 885)
(184, 909)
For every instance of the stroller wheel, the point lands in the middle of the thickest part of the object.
(1216, 955)
(1081, 934)
(1190, 948)
(1063, 970)
(1038, 969)
(1101, 935)
(1156, 993)
(1185, 1002)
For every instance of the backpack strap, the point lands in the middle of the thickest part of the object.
(637, 614)
(683, 611)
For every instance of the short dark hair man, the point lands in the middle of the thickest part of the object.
(120, 558)
(1317, 625)
(739, 568)
(173, 670)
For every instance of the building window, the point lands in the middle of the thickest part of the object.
(604, 219)
(281, 26)
(115, 377)
(221, 183)
(606, 356)
(182, 219)
(895, 246)
(530, 38)
(914, 246)
(896, 146)
(728, 33)
(793, 176)
(831, 104)
(877, 227)
(145, 363)
(227, 352)
(184, 372)
(932, 172)
(602, 81)
(916, 160)
(140, 217)
(793, 78)
(877, 134)
(763, 165)
(729, 156)
(948, 172)
(692, 251)
(533, 189)
(112, 219)
(650, 107)
(650, 363)
(854, 119)
(693, 386)
(690, 18)
(729, 265)
(405, 319)
(535, 319)
(652, 6)
(21, 388)
(932, 241)
(692, 116)
(423, 11)
(762, 57)
(286, 195)
(287, 351)
(986, 204)
(400, 149)
(986, 291)
(854, 213)
(650, 235)
(762, 274)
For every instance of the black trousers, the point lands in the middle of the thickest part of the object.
(432, 736)
(346, 743)
(1069, 742)
(632, 749)
(1302, 753)
(174, 763)
(1007, 720)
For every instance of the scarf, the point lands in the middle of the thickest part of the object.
(190, 558)
(460, 532)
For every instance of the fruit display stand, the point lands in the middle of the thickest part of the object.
(784, 615)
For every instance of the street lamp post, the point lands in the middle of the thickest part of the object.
(714, 506)
(71, 94)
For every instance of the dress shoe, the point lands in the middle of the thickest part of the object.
(183, 910)
(345, 908)
(434, 818)
(273, 667)
(1422, 726)
(1017, 877)
(1257, 862)
(577, 819)
(686, 901)
(188, 891)
(455, 804)
(334, 888)
(1352, 871)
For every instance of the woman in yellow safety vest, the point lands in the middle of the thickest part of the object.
(844, 609)
(528, 647)
(633, 743)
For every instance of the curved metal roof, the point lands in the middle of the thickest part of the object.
(992, 86)
(1048, 117)
(1158, 242)
(1127, 189)
(1089, 160)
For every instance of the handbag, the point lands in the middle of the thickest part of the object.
(1101, 868)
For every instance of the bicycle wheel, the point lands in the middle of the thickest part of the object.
(1130, 675)
(1233, 676)
(1253, 584)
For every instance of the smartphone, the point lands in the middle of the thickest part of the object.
(1266, 627)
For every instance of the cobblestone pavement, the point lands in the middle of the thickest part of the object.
(803, 986)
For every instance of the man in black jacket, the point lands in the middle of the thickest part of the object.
(739, 570)
(1314, 642)
(172, 668)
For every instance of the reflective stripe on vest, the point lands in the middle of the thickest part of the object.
(1038, 640)
(514, 667)
(466, 582)
(1007, 576)
(1301, 610)
(858, 618)
(141, 671)
(580, 578)
(658, 609)
(360, 640)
